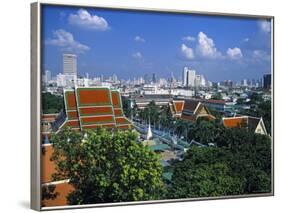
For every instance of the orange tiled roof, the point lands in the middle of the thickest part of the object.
(93, 96)
(178, 105)
(234, 122)
(71, 110)
(241, 121)
(192, 111)
(88, 108)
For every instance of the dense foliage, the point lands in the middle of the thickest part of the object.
(51, 103)
(239, 164)
(105, 166)
(217, 96)
(204, 173)
(260, 108)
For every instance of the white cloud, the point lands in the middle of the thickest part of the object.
(188, 38)
(139, 39)
(261, 55)
(206, 46)
(265, 26)
(137, 55)
(84, 19)
(234, 53)
(187, 52)
(65, 40)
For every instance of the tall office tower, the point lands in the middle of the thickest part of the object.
(228, 83)
(47, 76)
(244, 83)
(197, 80)
(267, 81)
(184, 76)
(154, 78)
(146, 79)
(69, 64)
(191, 78)
(203, 81)
(114, 78)
(188, 77)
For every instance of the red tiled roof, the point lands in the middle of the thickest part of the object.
(70, 100)
(92, 111)
(192, 111)
(178, 105)
(242, 121)
(104, 125)
(115, 99)
(97, 119)
(73, 124)
(72, 115)
(71, 110)
(93, 96)
(118, 112)
(93, 107)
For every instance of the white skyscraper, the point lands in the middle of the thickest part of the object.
(197, 80)
(69, 64)
(188, 77)
(47, 77)
(184, 76)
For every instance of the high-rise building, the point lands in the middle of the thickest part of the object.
(203, 81)
(244, 82)
(146, 79)
(197, 80)
(267, 81)
(228, 83)
(191, 78)
(69, 64)
(188, 77)
(114, 78)
(154, 80)
(47, 76)
(184, 76)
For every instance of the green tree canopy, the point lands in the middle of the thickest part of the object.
(239, 164)
(217, 96)
(105, 166)
(52, 103)
(204, 173)
(206, 131)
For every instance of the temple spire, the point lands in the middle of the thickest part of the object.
(149, 132)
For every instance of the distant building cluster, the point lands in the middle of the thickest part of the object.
(191, 79)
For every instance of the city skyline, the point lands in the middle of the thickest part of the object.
(131, 44)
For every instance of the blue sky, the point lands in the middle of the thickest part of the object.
(131, 44)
